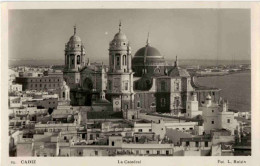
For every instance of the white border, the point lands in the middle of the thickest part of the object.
(171, 161)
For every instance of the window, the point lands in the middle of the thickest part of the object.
(137, 152)
(212, 122)
(163, 102)
(158, 152)
(163, 84)
(91, 137)
(206, 144)
(78, 59)
(187, 143)
(72, 61)
(138, 104)
(167, 152)
(96, 152)
(113, 143)
(40, 85)
(140, 130)
(126, 86)
(147, 152)
(63, 94)
(117, 60)
(228, 120)
(212, 110)
(124, 60)
(150, 130)
(176, 102)
(197, 144)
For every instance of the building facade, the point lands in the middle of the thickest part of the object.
(143, 82)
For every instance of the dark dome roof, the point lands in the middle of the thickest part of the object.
(151, 51)
(149, 54)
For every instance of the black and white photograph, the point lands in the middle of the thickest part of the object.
(129, 82)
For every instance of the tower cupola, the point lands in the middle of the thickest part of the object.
(120, 53)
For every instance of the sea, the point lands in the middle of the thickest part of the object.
(236, 88)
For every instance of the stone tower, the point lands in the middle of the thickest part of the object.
(74, 60)
(120, 75)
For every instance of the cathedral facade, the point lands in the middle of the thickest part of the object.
(86, 81)
(143, 82)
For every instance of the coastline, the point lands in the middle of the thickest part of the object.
(224, 74)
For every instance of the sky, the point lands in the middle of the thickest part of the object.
(208, 34)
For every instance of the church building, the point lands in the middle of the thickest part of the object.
(143, 82)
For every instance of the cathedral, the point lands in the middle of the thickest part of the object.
(142, 82)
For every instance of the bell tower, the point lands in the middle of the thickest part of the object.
(120, 75)
(74, 59)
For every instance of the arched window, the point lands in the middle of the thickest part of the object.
(78, 59)
(124, 60)
(117, 60)
(72, 61)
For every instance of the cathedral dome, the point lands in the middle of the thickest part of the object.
(148, 55)
(148, 51)
(120, 37)
(74, 42)
(119, 41)
(75, 39)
